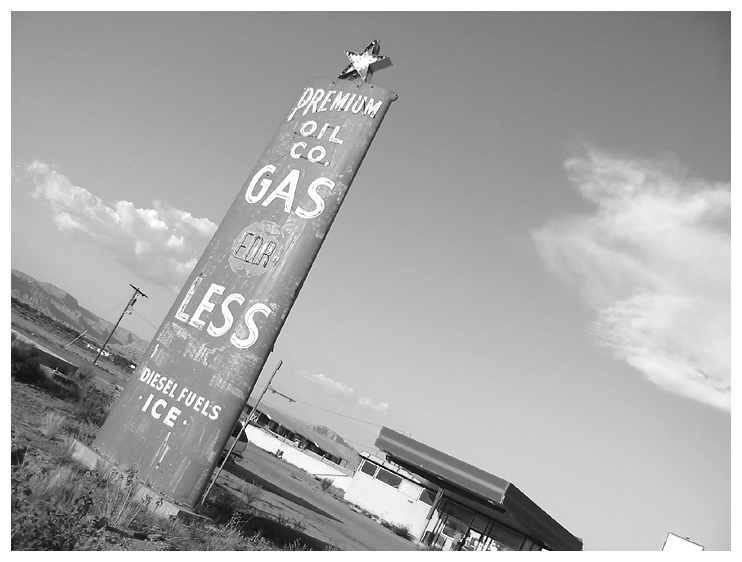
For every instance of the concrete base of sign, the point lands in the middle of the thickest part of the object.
(153, 501)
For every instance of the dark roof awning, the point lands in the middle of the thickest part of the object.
(496, 497)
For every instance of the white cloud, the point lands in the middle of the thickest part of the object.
(654, 261)
(345, 391)
(161, 244)
(331, 385)
(368, 403)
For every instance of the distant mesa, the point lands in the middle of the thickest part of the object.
(331, 435)
(351, 455)
(65, 309)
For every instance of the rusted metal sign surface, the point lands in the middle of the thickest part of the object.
(175, 415)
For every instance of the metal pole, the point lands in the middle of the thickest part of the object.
(229, 452)
(431, 511)
(131, 303)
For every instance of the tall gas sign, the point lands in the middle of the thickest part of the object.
(174, 417)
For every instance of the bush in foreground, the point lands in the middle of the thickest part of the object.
(24, 363)
(327, 485)
(26, 368)
(93, 404)
(64, 507)
(58, 505)
(398, 529)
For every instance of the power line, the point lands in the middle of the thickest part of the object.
(143, 318)
(332, 412)
(366, 445)
(359, 443)
(107, 312)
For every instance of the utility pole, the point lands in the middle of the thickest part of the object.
(133, 299)
(226, 457)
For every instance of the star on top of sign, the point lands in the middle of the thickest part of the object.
(360, 63)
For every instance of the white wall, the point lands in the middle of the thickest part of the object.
(388, 503)
(306, 460)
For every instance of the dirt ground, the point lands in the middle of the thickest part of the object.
(293, 494)
(289, 494)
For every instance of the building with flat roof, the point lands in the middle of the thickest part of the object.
(295, 442)
(301, 434)
(449, 504)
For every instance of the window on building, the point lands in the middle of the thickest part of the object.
(459, 512)
(388, 477)
(368, 468)
(494, 544)
(472, 540)
(505, 536)
(452, 527)
(427, 497)
(480, 523)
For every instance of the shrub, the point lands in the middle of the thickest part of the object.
(116, 502)
(327, 485)
(51, 425)
(48, 509)
(24, 363)
(251, 493)
(56, 504)
(291, 523)
(297, 545)
(64, 507)
(84, 374)
(223, 500)
(83, 431)
(26, 368)
(93, 404)
(221, 504)
(225, 537)
(401, 530)
(337, 492)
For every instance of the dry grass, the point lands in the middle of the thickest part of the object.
(117, 503)
(56, 504)
(398, 529)
(51, 425)
(63, 507)
(228, 536)
(251, 493)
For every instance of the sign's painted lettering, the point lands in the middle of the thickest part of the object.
(245, 333)
(286, 190)
(168, 387)
(317, 100)
(256, 249)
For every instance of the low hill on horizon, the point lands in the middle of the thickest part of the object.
(351, 453)
(65, 309)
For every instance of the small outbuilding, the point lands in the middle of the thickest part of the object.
(448, 504)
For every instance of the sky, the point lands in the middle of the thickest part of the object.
(531, 271)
